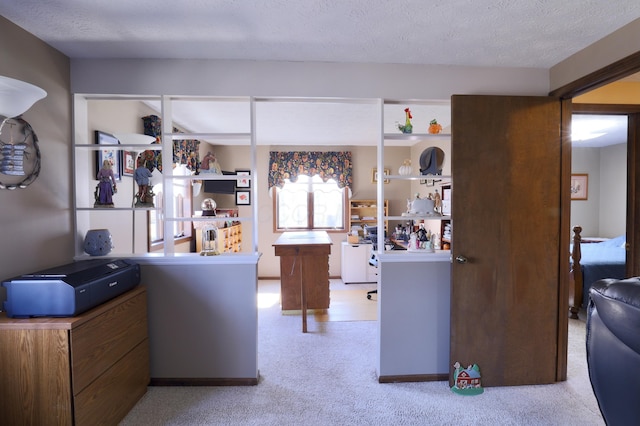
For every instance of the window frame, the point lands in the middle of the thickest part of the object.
(310, 227)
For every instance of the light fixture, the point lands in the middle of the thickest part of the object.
(16, 96)
(134, 138)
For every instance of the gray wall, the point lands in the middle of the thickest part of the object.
(37, 221)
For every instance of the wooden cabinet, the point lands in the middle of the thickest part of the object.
(229, 239)
(365, 212)
(84, 370)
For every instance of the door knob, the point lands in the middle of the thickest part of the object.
(461, 259)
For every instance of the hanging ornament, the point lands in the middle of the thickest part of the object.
(19, 153)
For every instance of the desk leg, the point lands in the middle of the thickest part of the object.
(303, 299)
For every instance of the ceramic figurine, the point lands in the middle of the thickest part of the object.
(407, 127)
(434, 127)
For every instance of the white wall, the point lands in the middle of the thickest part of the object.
(603, 214)
(586, 213)
(613, 190)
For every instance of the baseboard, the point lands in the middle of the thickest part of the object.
(413, 378)
(198, 381)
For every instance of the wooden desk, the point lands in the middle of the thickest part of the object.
(304, 271)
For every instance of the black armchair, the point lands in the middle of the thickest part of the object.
(613, 348)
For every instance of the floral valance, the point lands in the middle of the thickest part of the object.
(328, 165)
(184, 151)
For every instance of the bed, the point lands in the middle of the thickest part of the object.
(590, 262)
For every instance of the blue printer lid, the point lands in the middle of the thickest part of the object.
(78, 272)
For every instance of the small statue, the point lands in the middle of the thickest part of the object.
(142, 176)
(210, 164)
(437, 203)
(106, 186)
(422, 233)
(407, 127)
(434, 127)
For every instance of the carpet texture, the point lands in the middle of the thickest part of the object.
(349, 305)
(328, 377)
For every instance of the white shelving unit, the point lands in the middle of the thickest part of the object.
(413, 285)
(124, 216)
(424, 111)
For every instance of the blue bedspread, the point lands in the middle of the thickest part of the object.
(602, 260)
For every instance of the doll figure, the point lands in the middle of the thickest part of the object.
(106, 185)
(142, 177)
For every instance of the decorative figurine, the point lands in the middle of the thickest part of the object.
(106, 186)
(405, 169)
(434, 127)
(467, 381)
(142, 176)
(437, 203)
(407, 127)
(210, 164)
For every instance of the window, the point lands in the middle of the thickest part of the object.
(182, 209)
(310, 204)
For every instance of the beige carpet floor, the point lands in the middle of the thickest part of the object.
(349, 305)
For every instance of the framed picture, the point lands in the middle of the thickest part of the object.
(579, 186)
(243, 198)
(243, 180)
(374, 175)
(128, 163)
(113, 155)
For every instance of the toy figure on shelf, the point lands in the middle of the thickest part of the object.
(437, 203)
(210, 164)
(142, 176)
(434, 127)
(106, 186)
(407, 127)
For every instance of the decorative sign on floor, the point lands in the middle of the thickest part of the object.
(466, 381)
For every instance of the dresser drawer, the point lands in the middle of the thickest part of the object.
(109, 398)
(100, 343)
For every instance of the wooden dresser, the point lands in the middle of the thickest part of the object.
(83, 370)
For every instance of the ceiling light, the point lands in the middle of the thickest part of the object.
(16, 96)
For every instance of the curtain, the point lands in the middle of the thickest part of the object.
(185, 151)
(328, 165)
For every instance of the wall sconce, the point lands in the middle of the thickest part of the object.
(20, 151)
(16, 96)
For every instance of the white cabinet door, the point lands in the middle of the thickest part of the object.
(355, 263)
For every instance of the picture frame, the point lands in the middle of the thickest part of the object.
(579, 186)
(243, 198)
(128, 163)
(107, 153)
(243, 180)
(374, 175)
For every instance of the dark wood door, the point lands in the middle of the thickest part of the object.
(506, 207)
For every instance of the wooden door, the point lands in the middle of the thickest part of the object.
(506, 207)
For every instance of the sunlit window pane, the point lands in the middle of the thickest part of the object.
(292, 204)
(327, 204)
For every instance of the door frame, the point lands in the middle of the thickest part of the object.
(608, 74)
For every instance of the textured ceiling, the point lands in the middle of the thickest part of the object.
(511, 33)
(505, 33)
